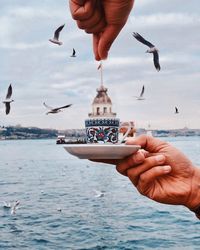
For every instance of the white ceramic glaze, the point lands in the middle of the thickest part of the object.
(101, 151)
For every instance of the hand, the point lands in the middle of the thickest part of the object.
(165, 175)
(103, 18)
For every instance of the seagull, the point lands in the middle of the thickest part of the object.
(55, 110)
(73, 53)
(98, 194)
(56, 36)
(6, 205)
(152, 49)
(15, 206)
(8, 99)
(176, 110)
(140, 97)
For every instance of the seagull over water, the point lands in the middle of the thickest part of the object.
(8, 99)
(98, 194)
(73, 53)
(55, 110)
(6, 205)
(15, 207)
(56, 36)
(152, 49)
(140, 97)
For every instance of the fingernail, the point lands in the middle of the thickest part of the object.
(160, 158)
(166, 169)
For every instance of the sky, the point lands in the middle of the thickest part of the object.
(44, 72)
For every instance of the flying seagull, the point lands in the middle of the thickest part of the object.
(152, 49)
(56, 36)
(176, 110)
(8, 99)
(15, 207)
(140, 97)
(55, 110)
(73, 53)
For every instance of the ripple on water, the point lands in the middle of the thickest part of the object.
(120, 220)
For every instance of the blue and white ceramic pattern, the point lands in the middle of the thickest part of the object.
(105, 130)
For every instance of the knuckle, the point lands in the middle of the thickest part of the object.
(80, 25)
(75, 16)
(142, 179)
(131, 173)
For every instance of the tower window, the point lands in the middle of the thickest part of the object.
(105, 110)
(98, 111)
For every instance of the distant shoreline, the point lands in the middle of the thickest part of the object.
(33, 133)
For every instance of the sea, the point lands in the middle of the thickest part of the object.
(68, 203)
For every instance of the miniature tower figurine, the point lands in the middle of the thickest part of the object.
(102, 125)
(102, 104)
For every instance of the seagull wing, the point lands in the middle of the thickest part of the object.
(142, 40)
(142, 92)
(63, 107)
(156, 60)
(47, 106)
(6, 204)
(9, 93)
(16, 205)
(74, 52)
(176, 110)
(57, 32)
(7, 108)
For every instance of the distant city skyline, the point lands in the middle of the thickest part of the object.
(44, 72)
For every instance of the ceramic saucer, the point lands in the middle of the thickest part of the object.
(101, 151)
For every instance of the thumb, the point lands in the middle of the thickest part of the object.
(107, 38)
(149, 143)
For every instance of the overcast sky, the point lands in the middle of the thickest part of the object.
(40, 71)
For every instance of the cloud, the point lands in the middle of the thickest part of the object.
(166, 19)
(41, 71)
(30, 13)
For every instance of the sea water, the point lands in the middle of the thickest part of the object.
(60, 209)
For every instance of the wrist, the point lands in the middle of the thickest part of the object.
(193, 202)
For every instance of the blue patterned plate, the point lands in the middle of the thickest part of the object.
(101, 151)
